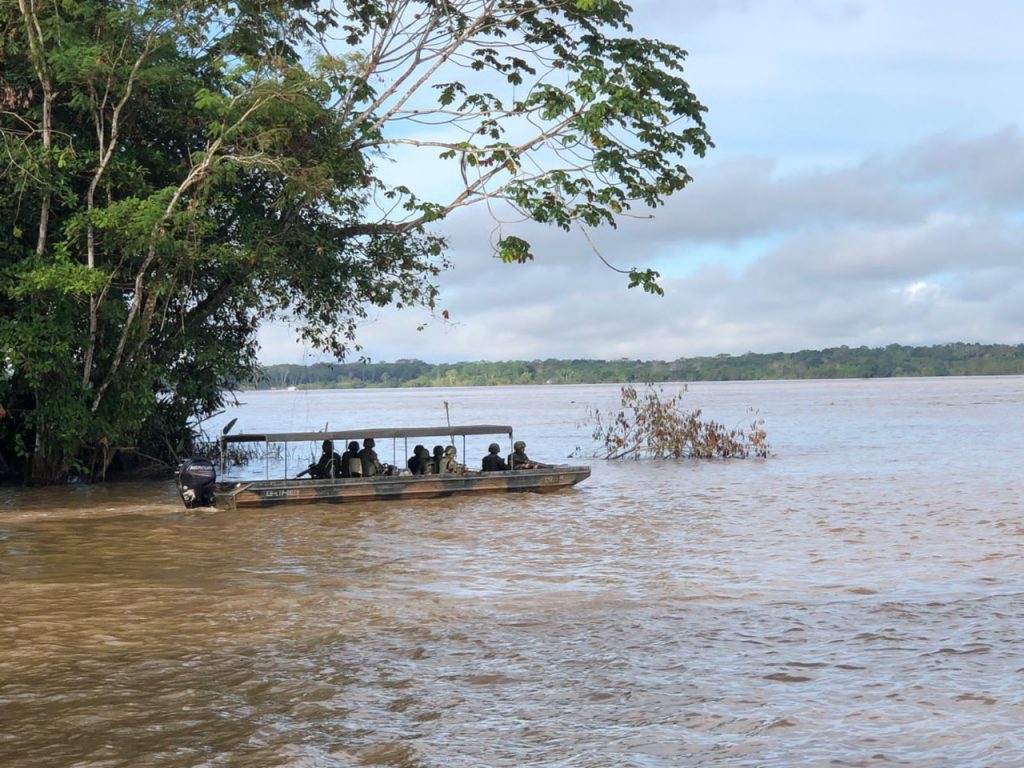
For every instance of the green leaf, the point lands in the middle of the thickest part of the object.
(514, 250)
(646, 279)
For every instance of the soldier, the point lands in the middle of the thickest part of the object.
(492, 462)
(437, 459)
(449, 464)
(419, 460)
(519, 460)
(368, 457)
(329, 464)
(351, 466)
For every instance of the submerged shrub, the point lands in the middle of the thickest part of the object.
(651, 425)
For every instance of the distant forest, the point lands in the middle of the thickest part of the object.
(836, 363)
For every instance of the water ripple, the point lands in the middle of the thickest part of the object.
(860, 608)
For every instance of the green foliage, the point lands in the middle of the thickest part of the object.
(649, 425)
(514, 250)
(33, 276)
(174, 175)
(647, 279)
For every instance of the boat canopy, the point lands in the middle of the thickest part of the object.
(376, 434)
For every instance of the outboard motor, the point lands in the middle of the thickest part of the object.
(196, 478)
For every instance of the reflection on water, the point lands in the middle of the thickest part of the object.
(856, 600)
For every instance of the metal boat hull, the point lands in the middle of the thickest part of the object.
(265, 493)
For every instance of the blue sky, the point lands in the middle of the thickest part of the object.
(866, 188)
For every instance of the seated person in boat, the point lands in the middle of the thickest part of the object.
(436, 460)
(449, 464)
(329, 464)
(351, 464)
(519, 460)
(368, 457)
(492, 461)
(419, 460)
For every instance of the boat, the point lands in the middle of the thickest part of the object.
(198, 485)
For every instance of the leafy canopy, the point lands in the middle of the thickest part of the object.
(177, 173)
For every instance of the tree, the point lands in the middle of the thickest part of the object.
(176, 173)
(649, 425)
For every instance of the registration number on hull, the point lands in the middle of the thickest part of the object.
(280, 493)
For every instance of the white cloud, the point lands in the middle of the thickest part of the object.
(921, 290)
(867, 189)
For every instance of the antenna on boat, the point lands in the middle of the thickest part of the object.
(448, 418)
(451, 432)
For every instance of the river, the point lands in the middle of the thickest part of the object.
(857, 599)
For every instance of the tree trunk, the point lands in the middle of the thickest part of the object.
(36, 41)
(49, 463)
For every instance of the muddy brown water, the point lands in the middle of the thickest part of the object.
(855, 600)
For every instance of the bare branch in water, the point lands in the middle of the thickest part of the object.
(649, 425)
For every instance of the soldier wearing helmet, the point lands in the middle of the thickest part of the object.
(492, 462)
(519, 460)
(436, 459)
(351, 466)
(419, 460)
(449, 464)
(328, 466)
(368, 458)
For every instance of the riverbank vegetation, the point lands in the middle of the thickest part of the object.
(834, 363)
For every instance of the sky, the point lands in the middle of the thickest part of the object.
(866, 188)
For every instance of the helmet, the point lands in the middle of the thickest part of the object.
(519, 445)
(369, 442)
(327, 446)
(449, 451)
(493, 448)
(353, 446)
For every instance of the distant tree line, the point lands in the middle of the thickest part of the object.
(959, 359)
